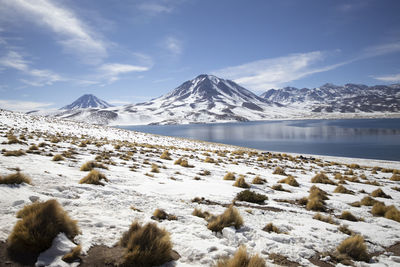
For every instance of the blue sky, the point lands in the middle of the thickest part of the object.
(53, 51)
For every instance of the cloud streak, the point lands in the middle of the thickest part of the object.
(41, 77)
(391, 78)
(71, 32)
(113, 71)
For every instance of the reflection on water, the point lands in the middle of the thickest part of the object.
(367, 138)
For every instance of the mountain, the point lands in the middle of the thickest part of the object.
(330, 98)
(87, 101)
(204, 99)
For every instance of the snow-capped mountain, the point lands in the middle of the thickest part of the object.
(350, 98)
(87, 101)
(204, 99)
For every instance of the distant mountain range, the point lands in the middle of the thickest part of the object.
(208, 99)
(350, 98)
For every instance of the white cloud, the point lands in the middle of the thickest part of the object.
(394, 78)
(72, 33)
(15, 60)
(379, 50)
(274, 72)
(112, 71)
(155, 8)
(23, 106)
(173, 45)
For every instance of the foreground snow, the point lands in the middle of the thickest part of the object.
(104, 213)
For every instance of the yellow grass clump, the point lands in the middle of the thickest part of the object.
(327, 219)
(241, 182)
(355, 248)
(321, 178)
(290, 180)
(146, 245)
(230, 217)
(229, 176)
(342, 190)
(15, 178)
(166, 155)
(241, 259)
(258, 180)
(39, 224)
(90, 165)
(73, 255)
(279, 170)
(250, 196)
(58, 157)
(270, 227)
(379, 193)
(94, 177)
(347, 215)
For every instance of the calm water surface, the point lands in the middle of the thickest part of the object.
(360, 138)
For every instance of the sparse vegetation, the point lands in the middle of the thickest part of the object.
(14, 153)
(347, 215)
(379, 193)
(321, 178)
(39, 224)
(146, 245)
(73, 255)
(279, 187)
(94, 177)
(250, 196)
(160, 214)
(242, 259)
(279, 171)
(90, 165)
(154, 168)
(290, 180)
(316, 199)
(327, 219)
(355, 248)
(395, 177)
(166, 155)
(229, 176)
(389, 212)
(241, 182)
(230, 217)
(201, 214)
(58, 157)
(15, 178)
(270, 227)
(342, 190)
(258, 180)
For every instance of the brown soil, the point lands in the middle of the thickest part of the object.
(13, 260)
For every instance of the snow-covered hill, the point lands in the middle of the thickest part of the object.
(329, 98)
(141, 181)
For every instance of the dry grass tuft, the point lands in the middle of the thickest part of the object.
(242, 259)
(40, 223)
(328, 219)
(166, 155)
(146, 245)
(395, 177)
(94, 177)
(258, 180)
(209, 160)
(230, 217)
(280, 171)
(355, 248)
(316, 199)
(58, 157)
(290, 180)
(389, 212)
(90, 165)
(250, 196)
(379, 193)
(183, 162)
(202, 214)
(342, 190)
(345, 230)
(229, 176)
(154, 168)
(279, 187)
(73, 255)
(15, 178)
(160, 214)
(321, 178)
(241, 182)
(347, 215)
(271, 228)
(14, 153)
(368, 201)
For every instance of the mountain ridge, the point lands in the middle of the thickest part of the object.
(87, 101)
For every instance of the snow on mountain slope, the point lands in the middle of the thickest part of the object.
(133, 192)
(87, 101)
(204, 99)
(329, 98)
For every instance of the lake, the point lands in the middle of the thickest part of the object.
(359, 138)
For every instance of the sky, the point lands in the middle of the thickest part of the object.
(130, 51)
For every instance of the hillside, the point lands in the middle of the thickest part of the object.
(141, 179)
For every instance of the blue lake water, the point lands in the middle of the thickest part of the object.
(360, 138)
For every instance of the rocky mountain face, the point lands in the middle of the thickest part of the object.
(329, 98)
(87, 101)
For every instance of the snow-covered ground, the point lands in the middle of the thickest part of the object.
(105, 212)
